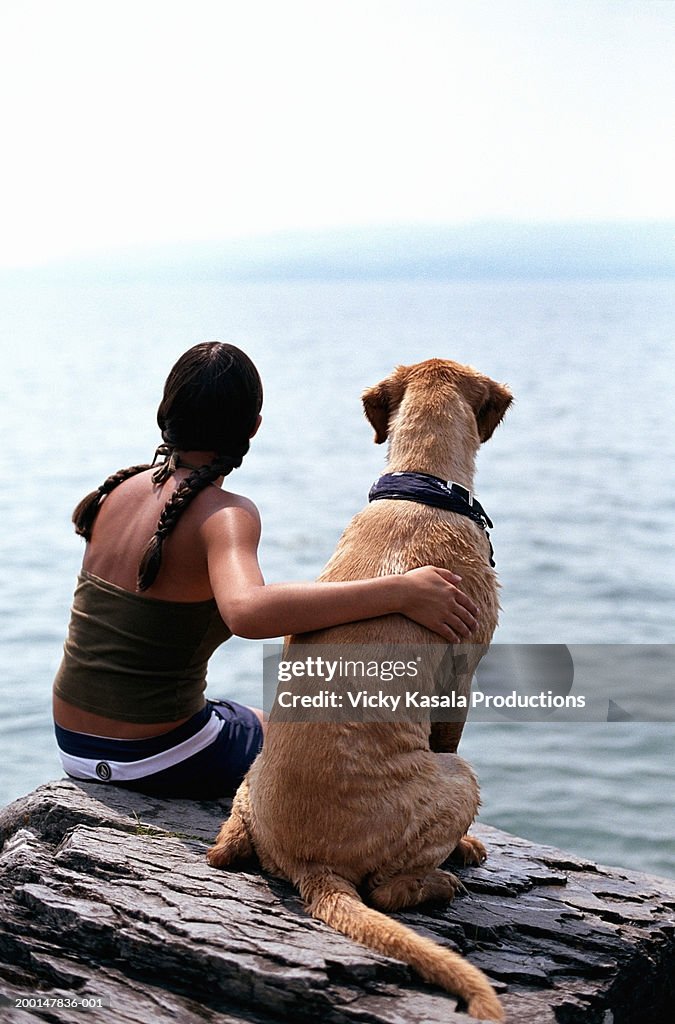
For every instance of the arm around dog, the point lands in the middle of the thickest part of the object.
(256, 610)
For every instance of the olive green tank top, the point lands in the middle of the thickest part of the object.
(135, 658)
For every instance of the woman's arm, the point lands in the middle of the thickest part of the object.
(254, 610)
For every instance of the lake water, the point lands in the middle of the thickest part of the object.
(579, 481)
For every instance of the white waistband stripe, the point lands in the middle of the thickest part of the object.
(124, 771)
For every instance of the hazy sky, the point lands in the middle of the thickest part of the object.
(160, 121)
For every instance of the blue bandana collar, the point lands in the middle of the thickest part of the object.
(431, 490)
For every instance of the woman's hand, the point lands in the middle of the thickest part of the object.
(433, 599)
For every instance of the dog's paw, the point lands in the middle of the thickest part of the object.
(404, 891)
(442, 885)
(469, 851)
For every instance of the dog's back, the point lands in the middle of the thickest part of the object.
(313, 787)
(392, 536)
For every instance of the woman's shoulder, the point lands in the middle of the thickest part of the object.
(218, 500)
(230, 518)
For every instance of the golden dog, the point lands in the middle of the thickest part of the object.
(368, 807)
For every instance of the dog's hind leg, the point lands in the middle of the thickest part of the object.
(415, 877)
(233, 842)
(469, 851)
(458, 793)
(403, 891)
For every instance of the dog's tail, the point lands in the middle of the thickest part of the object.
(334, 900)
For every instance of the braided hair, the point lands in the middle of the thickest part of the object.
(185, 493)
(86, 511)
(212, 398)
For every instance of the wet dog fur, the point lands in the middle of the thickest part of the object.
(368, 811)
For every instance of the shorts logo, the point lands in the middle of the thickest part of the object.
(103, 771)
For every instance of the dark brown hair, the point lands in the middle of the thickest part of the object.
(211, 401)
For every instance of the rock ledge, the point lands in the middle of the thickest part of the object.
(105, 893)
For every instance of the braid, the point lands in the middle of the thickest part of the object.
(85, 513)
(185, 493)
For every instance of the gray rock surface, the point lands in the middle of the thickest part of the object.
(106, 894)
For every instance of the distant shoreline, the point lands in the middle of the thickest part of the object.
(477, 251)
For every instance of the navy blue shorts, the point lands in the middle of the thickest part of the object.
(204, 758)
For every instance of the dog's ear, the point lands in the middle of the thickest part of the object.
(493, 404)
(379, 402)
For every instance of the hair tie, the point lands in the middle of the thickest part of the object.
(168, 466)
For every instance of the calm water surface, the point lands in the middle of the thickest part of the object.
(578, 480)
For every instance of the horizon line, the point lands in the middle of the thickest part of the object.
(257, 253)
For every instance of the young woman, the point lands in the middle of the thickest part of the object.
(170, 571)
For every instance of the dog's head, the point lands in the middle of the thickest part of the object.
(443, 388)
